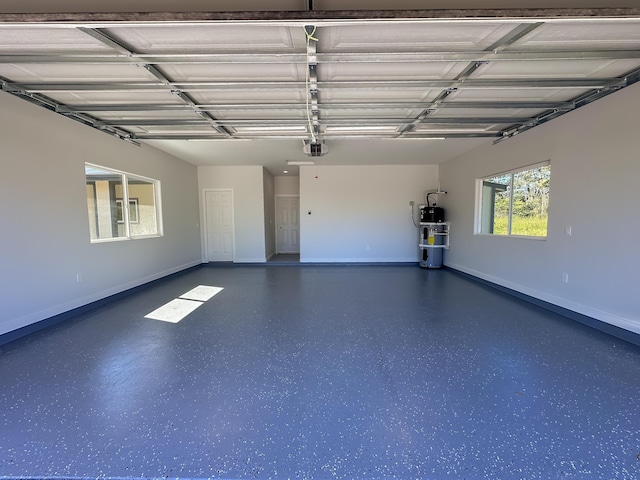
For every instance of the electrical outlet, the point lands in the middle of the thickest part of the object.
(565, 278)
(568, 230)
(78, 277)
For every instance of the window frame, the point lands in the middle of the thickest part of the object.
(479, 204)
(126, 200)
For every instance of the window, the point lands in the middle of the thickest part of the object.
(107, 193)
(516, 202)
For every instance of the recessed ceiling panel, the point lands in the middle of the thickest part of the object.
(362, 129)
(298, 129)
(521, 94)
(443, 129)
(212, 38)
(116, 98)
(234, 72)
(487, 113)
(603, 34)
(247, 97)
(271, 114)
(75, 73)
(558, 69)
(29, 40)
(377, 113)
(370, 94)
(142, 115)
(389, 71)
(203, 129)
(412, 37)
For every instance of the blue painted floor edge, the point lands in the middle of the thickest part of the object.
(70, 314)
(605, 327)
(613, 330)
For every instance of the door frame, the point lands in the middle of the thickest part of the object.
(277, 224)
(205, 246)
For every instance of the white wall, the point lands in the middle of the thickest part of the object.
(361, 214)
(287, 185)
(45, 243)
(247, 184)
(595, 175)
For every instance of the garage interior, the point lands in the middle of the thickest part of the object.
(517, 359)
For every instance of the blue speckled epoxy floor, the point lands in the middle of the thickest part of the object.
(322, 372)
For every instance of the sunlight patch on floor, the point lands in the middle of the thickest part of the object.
(202, 293)
(180, 307)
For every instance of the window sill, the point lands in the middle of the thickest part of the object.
(521, 237)
(123, 239)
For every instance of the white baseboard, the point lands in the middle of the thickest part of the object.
(249, 260)
(358, 260)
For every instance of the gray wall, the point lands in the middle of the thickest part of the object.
(361, 214)
(247, 184)
(287, 185)
(45, 232)
(595, 173)
(269, 213)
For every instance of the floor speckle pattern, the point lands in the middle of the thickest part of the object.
(329, 372)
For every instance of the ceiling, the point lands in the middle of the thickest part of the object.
(376, 87)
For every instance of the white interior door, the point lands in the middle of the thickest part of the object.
(288, 224)
(219, 225)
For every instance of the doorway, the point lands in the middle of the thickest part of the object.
(287, 225)
(218, 206)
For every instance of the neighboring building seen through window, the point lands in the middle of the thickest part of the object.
(108, 191)
(516, 202)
